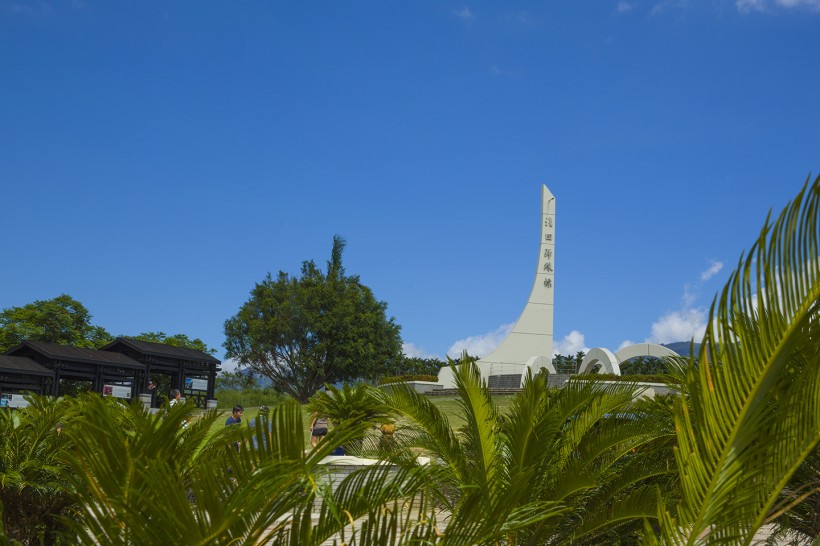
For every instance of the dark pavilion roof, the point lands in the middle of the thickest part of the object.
(162, 349)
(78, 354)
(22, 365)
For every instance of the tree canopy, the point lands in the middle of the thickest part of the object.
(177, 340)
(414, 365)
(66, 321)
(61, 320)
(317, 328)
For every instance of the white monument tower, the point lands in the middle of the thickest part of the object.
(529, 343)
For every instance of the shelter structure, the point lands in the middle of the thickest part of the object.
(193, 372)
(20, 375)
(121, 369)
(109, 373)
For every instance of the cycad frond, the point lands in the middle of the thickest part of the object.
(31, 484)
(554, 456)
(750, 410)
(479, 435)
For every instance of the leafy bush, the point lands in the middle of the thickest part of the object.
(402, 378)
(249, 397)
(358, 403)
(33, 489)
(643, 378)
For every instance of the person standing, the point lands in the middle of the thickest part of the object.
(266, 425)
(236, 416)
(152, 390)
(235, 419)
(176, 397)
(318, 428)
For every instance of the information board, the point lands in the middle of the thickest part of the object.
(192, 384)
(13, 401)
(117, 391)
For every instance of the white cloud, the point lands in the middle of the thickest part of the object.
(464, 13)
(571, 344)
(414, 351)
(31, 9)
(229, 365)
(689, 296)
(480, 345)
(748, 6)
(665, 5)
(624, 343)
(659, 8)
(690, 320)
(713, 270)
(521, 17)
(624, 7)
(813, 4)
(680, 325)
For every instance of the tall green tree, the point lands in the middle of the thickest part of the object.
(317, 328)
(414, 365)
(61, 320)
(177, 340)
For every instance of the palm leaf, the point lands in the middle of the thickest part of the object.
(31, 483)
(750, 410)
(552, 456)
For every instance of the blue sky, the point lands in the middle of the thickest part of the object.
(159, 158)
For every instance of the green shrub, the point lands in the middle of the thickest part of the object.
(250, 397)
(643, 378)
(401, 378)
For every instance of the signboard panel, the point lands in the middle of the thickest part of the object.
(117, 391)
(192, 384)
(13, 401)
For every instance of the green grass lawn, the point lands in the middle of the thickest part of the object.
(447, 404)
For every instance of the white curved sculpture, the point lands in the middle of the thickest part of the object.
(644, 349)
(611, 363)
(540, 363)
(529, 343)
(608, 361)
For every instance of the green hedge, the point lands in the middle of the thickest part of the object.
(632, 378)
(251, 397)
(401, 378)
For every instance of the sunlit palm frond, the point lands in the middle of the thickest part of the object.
(480, 433)
(358, 402)
(551, 458)
(168, 480)
(428, 429)
(379, 496)
(750, 410)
